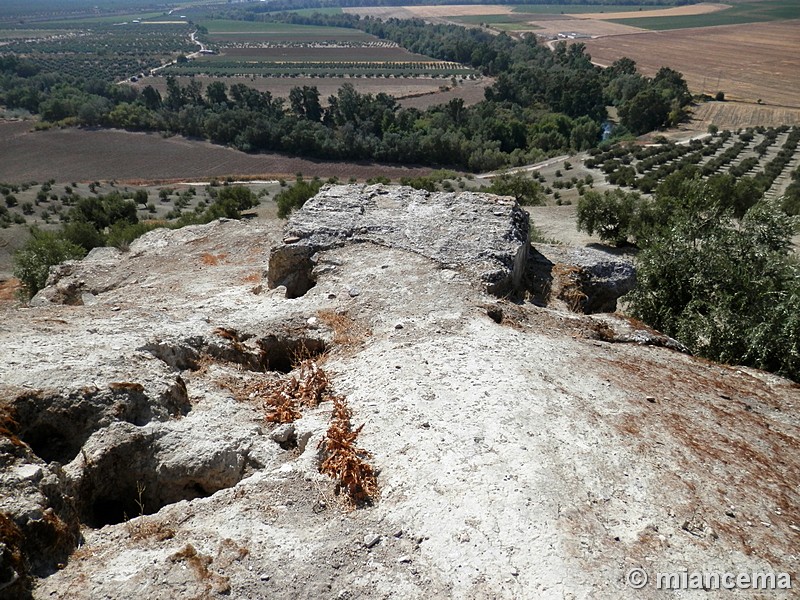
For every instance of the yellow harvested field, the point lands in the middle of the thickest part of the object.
(592, 29)
(678, 11)
(735, 115)
(460, 10)
(746, 62)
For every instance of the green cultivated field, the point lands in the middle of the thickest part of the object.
(216, 26)
(558, 9)
(737, 14)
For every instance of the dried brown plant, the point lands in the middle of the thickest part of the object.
(11, 552)
(346, 332)
(570, 289)
(147, 528)
(309, 388)
(344, 461)
(9, 426)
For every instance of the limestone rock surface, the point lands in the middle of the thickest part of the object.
(521, 451)
(482, 235)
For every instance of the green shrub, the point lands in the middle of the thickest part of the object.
(727, 288)
(43, 250)
(525, 190)
(296, 196)
(615, 216)
(121, 234)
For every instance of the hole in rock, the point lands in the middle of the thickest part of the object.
(57, 426)
(179, 356)
(51, 444)
(281, 352)
(129, 480)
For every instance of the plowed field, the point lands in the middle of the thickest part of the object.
(746, 62)
(86, 155)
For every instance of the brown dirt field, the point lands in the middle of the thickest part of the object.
(419, 92)
(471, 92)
(678, 11)
(747, 62)
(735, 115)
(87, 155)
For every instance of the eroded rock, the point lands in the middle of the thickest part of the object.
(482, 235)
(585, 280)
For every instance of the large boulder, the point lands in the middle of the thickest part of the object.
(484, 236)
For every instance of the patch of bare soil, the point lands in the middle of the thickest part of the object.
(88, 155)
(746, 62)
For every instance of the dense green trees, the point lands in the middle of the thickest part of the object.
(714, 270)
(645, 104)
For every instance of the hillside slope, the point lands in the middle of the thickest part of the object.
(522, 451)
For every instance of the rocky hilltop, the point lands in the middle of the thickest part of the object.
(526, 441)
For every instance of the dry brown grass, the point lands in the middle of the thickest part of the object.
(199, 563)
(569, 288)
(146, 529)
(346, 332)
(344, 461)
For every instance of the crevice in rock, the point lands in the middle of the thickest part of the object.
(292, 266)
(181, 356)
(281, 352)
(56, 426)
(274, 352)
(130, 479)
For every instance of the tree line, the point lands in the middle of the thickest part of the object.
(543, 103)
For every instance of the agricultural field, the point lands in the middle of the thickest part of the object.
(546, 20)
(288, 50)
(768, 155)
(736, 13)
(107, 51)
(746, 62)
(88, 155)
(410, 92)
(736, 115)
